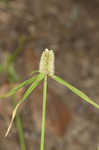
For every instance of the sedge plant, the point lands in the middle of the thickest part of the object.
(46, 69)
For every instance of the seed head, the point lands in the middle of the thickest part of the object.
(47, 62)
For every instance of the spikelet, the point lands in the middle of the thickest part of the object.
(47, 62)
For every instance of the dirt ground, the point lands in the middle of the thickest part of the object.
(71, 29)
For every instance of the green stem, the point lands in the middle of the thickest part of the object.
(43, 113)
(19, 127)
(20, 132)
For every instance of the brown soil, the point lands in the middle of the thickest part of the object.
(71, 28)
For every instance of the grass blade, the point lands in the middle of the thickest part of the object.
(43, 112)
(20, 132)
(14, 90)
(26, 94)
(75, 90)
(34, 71)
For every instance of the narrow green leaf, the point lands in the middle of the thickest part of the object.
(34, 71)
(32, 87)
(14, 90)
(43, 112)
(26, 94)
(75, 90)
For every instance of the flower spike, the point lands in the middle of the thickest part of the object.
(47, 62)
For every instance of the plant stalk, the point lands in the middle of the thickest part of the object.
(43, 113)
(20, 132)
(19, 127)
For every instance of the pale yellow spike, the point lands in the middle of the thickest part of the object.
(47, 62)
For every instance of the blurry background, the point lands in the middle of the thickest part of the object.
(71, 29)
